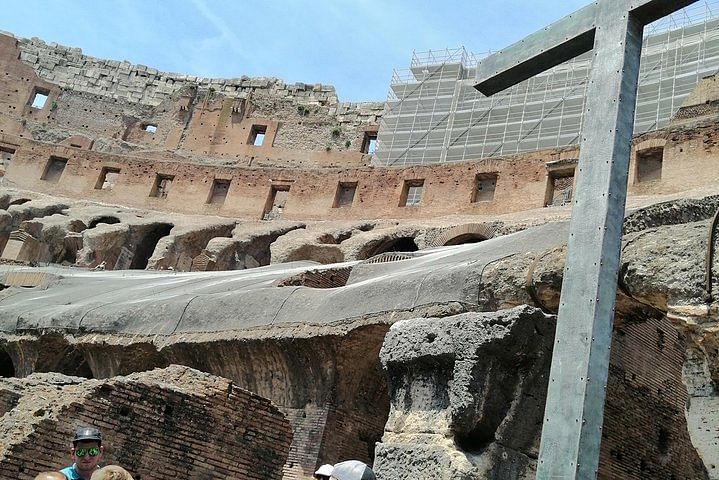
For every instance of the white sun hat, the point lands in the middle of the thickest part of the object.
(325, 470)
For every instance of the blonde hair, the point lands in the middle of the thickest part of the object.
(50, 476)
(111, 472)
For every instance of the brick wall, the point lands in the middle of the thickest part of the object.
(645, 431)
(106, 105)
(70, 68)
(327, 278)
(308, 427)
(522, 182)
(521, 185)
(351, 435)
(164, 424)
(329, 435)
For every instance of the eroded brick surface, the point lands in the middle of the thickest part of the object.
(164, 424)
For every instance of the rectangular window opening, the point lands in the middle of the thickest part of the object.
(108, 178)
(39, 98)
(5, 157)
(369, 145)
(649, 165)
(412, 193)
(345, 194)
(276, 203)
(484, 187)
(219, 191)
(257, 135)
(162, 185)
(53, 170)
(560, 189)
(149, 128)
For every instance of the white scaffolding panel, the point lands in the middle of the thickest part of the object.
(433, 113)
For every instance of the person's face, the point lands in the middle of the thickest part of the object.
(86, 455)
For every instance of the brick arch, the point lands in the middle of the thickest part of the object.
(461, 233)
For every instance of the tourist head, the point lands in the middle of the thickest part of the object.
(50, 476)
(324, 472)
(352, 470)
(111, 472)
(86, 449)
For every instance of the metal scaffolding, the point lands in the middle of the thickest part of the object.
(433, 113)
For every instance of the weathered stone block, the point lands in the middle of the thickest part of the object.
(466, 395)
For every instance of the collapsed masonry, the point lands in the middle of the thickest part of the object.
(468, 399)
(163, 424)
(465, 392)
(244, 233)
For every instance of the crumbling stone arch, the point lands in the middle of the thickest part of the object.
(51, 352)
(110, 220)
(72, 362)
(7, 367)
(392, 244)
(320, 253)
(467, 233)
(146, 246)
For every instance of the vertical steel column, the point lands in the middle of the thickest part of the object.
(571, 434)
(572, 430)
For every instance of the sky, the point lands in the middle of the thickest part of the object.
(354, 45)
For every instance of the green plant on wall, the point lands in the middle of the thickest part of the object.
(348, 144)
(328, 147)
(336, 132)
(53, 107)
(303, 111)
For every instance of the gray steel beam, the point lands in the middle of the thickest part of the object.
(557, 43)
(648, 11)
(572, 430)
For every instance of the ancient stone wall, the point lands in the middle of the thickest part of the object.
(703, 403)
(308, 426)
(312, 193)
(70, 68)
(73, 71)
(645, 433)
(449, 379)
(164, 424)
(322, 142)
(112, 106)
(522, 182)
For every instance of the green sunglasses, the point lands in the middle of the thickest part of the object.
(81, 452)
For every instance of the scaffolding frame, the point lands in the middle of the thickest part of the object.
(433, 114)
